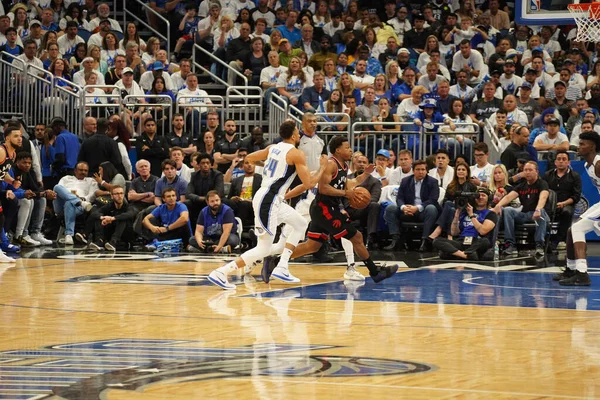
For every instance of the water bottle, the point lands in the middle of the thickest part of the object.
(496, 252)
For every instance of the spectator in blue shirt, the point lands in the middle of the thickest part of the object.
(171, 180)
(289, 30)
(216, 228)
(66, 148)
(11, 47)
(169, 221)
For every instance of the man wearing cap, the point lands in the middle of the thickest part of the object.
(581, 67)
(289, 30)
(158, 70)
(404, 60)
(559, 97)
(509, 81)
(417, 37)
(286, 52)
(127, 86)
(571, 89)
(527, 104)
(382, 171)
(97, 38)
(104, 14)
(208, 25)
(537, 91)
(88, 66)
(552, 139)
(469, 60)
(575, 78)
(35, 32)
(66, 147)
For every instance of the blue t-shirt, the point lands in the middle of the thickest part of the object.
(213, 224)
(68, 144)
(179, 184)
(292, 36)
(467, 229)
(166, 217)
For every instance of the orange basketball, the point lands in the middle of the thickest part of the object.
(362, 199)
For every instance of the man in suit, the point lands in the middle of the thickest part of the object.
(368, 216)
(417, 201)
(243, 188)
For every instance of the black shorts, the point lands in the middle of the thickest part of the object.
(326, 220)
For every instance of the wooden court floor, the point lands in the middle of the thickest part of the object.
(112, 328)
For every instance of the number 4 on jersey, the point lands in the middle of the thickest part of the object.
(270, 167)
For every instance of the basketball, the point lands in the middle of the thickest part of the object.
(362, 199)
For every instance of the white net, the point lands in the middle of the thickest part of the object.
(587, 18)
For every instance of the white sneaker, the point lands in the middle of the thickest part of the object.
(68, 240)
(220, 279)
(38, 237)
(31, 242)
(6, 259)
(352, 274)
(284, 275)
(561, 246)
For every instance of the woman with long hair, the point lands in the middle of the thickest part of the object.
(208, 143)
(99, 64)
(110, 49)
(20, 21)
(244, 16)
(49, 37)
(225, 33)
(594, 76)
(60, 69)
(132, 35)
(382, 89)
(385, 115)
(370, 39)
(78, 55)
(458, 116)
(346, 86)
(353, 10)
(273, 44)
(255, 61)
(431, 43)
(466, 9)
(73, 13)
(308, 70)
(322, 15)
(461, 182)
(292, 82)
(119, 132)
(500, 187)
(162, 118)
(392, 70)
(335, 104)
(107, 177)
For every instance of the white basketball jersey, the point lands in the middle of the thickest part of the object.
(591, 171)
(277, 174)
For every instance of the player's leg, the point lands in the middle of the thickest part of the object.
(297, 225)
(351, 273)
(576, 272)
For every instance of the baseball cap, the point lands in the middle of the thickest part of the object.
(511, 53)
(496, 72)
(568, 61)
(35, 22)
(103, 20)
(419, 17)
(404, 50)
(383, 152)
(531, 71)
(283, 41)
(158, 65)
(537, 49)
(509, 62)
(558, 83)
(526, 85)
(428, 103)
(553, 121)
(127, 70)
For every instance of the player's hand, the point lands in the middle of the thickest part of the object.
(350, 195)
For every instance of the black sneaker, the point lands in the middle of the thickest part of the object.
(80, 238)
(111, 246)
(96, 246)
(472, 256)
(567, 273)
(269, 264)
(578, 279)
(384, 272)
(510, 250)
(539, 250)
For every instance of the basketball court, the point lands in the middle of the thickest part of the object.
(77, 325)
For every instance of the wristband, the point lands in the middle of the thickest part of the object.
(472, 216)
(102, 184)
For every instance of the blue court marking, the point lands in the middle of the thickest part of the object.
(483, 288)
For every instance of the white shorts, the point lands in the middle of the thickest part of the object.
(270, 211)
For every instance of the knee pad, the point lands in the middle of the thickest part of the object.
(581, 227)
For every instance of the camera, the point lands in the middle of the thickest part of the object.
(463, 198)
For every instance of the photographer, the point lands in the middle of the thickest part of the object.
(453, 199)
(471, 225)
(216, 228)
(32, 204)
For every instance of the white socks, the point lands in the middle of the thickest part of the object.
(571, 264)
(228, 268)
(581, 265)
(285, 258)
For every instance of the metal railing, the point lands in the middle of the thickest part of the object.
(162, 113)
(493, 142)
(213, 59)
(278, 113)
(131, 13)
(194, 108)
(12, 92)
(458, 142)
(369, 141)
(245, 105)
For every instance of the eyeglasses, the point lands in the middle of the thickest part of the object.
(479, 155)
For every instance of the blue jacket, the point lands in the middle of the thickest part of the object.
(430, 192)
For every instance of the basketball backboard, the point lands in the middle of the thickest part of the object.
(544, 12)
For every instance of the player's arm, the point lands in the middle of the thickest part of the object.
(324, 184)
(309, 181)
(352, 183)
(597, 168)
(260, 155)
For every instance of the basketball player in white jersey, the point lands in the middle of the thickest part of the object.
(576, 272)
(283, 162)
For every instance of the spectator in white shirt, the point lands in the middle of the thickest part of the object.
(192, 96)
(552, 139)
(481, 172)
(149, 76)
(469, 60)
(104, 13)
(127, 86)
(88, 66)
(443, 172)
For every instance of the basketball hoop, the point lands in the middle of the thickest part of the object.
(587, 18)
